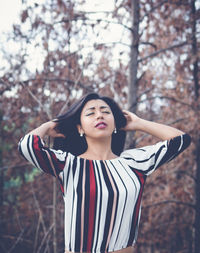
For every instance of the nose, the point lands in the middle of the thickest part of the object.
(99, 115)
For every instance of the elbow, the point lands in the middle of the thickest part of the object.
(187, 139)
(21, 146)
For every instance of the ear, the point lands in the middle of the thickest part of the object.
(79, 128)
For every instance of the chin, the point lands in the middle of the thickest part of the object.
(104, 135)
(100, 135)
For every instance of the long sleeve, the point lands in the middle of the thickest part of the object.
(51, 161)
(149, 158)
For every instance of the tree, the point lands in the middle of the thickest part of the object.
(75, 57)
(184, 99)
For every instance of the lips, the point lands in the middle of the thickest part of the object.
(101, 125)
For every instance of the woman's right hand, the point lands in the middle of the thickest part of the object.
(47, 128)
(133, 121)
(52, 132)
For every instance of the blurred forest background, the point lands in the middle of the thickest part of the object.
(144, 54)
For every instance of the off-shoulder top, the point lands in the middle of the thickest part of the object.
(102, 197)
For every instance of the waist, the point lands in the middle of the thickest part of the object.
(125, 250)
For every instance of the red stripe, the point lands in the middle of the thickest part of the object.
(59, 164)
(92, 207)
(142, 181)
(42, 162)
(37, 150)
(62, 189)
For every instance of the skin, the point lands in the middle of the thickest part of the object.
(134, 123)
(99, 140)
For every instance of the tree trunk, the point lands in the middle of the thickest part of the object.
(133, 86)
(1, 176)
(1, 199)
(195, 49)
(197, 207)
(54, 215)
(54, 208)
(196, 89)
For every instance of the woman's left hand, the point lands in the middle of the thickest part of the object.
(132, 121)
(158, 130)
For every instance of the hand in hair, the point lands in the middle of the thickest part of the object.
(48, 128)
(132, 121)
(52, 131)
(158, 130)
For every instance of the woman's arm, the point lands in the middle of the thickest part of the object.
(47, 128)
(33, 149)
(158, 130)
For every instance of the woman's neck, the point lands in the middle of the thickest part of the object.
(99, 150)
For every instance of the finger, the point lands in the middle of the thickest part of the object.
(123, 129)
(60, 135)
(125, 112)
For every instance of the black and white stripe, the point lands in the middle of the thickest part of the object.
(102, 198)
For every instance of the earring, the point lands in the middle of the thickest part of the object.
(81, 134)
(115, 130)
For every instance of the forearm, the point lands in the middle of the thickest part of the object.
(41, 130)
(158, 130)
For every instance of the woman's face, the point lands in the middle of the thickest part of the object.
(97, 120)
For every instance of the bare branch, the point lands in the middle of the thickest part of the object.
(112, 43)
(165, 97)
(17, 241)
(36, 99)
(170, 202)
(65, 20)
(145, 92)
(161, 224)
(95, 12)
(163, 50)
(36, 234)
(56, 79)
(54, 216)
(40, 213)
(11, 237)
(45, 237)
(75, 85)
(148, 43)
(15, 166)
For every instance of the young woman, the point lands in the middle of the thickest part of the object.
(102, 185)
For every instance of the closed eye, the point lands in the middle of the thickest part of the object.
(89, 114)
(107, 112)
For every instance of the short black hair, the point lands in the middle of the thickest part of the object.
(67, 125)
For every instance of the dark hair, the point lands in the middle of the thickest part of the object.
(67, 125)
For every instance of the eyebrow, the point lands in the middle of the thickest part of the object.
(101, 107)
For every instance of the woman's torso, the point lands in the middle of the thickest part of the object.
(102, 204)
(126, 250)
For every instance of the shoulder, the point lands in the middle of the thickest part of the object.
(145, 150)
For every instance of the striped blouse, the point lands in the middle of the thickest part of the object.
(102, 197)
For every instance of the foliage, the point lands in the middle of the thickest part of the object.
(64, 51)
